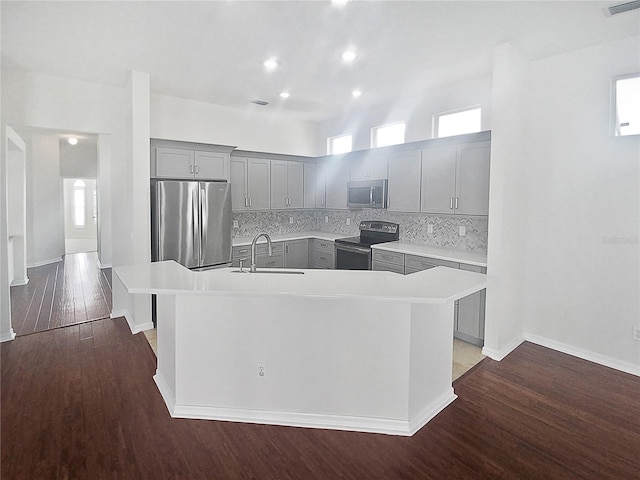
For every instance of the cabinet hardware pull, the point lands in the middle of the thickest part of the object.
(191, 169)
(451, 203)
(197, 169)
(249, 201)
(246, 202)
(456, 203)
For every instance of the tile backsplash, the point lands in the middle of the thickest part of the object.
(413, 226)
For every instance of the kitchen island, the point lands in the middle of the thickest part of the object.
(352, 350)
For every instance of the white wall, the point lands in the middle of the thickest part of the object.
(45, 233)
(416, 112)
(249, 129)
(78, 161)
(582, 278)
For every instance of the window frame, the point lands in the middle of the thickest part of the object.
(330, 141)
(613, 120)
(375, 130)
(436, 120)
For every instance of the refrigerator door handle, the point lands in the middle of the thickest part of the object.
(204, 217)
(196, 220)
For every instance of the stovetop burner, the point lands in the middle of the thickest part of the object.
(373, 232)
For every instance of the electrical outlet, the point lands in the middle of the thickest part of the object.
(635, 334)
(429, 227)
(261, 368)
(348, 222)
(291, 220)
(326, 219)
(235, 224)
(462, 231)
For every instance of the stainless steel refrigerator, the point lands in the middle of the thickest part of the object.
(191, 222)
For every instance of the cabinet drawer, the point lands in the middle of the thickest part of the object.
(274, 261)
(415, 262)
(388, 257)
(261, 249)
(324, 245)
(387, 267)
(321, 259)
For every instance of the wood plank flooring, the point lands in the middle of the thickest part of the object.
(68, 292)
(79, 402)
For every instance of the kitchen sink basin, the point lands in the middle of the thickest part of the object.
(277, 272)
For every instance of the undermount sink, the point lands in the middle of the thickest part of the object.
(286, 272)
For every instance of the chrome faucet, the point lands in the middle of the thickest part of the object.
(253, 249)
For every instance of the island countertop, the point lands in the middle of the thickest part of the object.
(434, 286)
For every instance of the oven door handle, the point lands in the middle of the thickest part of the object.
(353, 249)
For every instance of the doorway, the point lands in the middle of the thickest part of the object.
(80, 215)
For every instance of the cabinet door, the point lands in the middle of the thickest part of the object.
(309, 187)
(321, 194)
(296, 254)
(238, 169)
(336, 176)
(258, 183)
(472, 179)
(174, 163)
(278, 184)
(404, 181)
(438, 180)
(371, 165)
(295, 184)
(211, 166)
(470, 318)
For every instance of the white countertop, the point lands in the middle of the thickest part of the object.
(439, 253)
(436, 286)
(285, 237)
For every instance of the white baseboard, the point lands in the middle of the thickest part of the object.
(386, 426)
(44, 262)
(132, 326)
(19, 283)
(584, 354)
(8, 336)
(504, 351)
(103, 266)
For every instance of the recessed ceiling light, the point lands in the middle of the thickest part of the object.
(284, 94)
(72, 141)
(271, 64)
(356, 93)
(349, 56)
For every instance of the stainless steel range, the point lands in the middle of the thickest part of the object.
(354, 253)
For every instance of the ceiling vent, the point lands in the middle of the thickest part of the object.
(262, 103)
(622, 7)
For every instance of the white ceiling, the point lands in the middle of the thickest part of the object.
(213, 51)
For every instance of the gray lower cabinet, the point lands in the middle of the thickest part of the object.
(263, 259)
(321, 254)
(296, 254)
(387, 261)
(469, 311)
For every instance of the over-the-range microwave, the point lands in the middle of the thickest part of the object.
(367, 194)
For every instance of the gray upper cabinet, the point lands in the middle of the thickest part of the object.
(189, 164)
(287, 180)
(455, 179)
(336, 175)
(472, 179)
(309, 188)
(404, 181)
(368, 165)
(211, 166)
(250, 183)
(438, 179)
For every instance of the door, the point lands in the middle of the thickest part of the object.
(278, 184)
(295, 182)
(211, 166)
(175, 228)
(472, 179)
(309, 185)
(215, 220)
(404, 182)
(80, 215)
(258, 183)
(174, 163)
(239, 184)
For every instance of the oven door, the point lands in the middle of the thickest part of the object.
(351, 257)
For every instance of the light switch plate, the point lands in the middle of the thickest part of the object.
(235, 224)
(348, 221)
(291, 220)
(326, 219)
(429, 227)
(462, 231)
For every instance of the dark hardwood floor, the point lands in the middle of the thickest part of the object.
(80, 403)
(68, 292)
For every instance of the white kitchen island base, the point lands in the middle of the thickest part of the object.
(339, 361)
